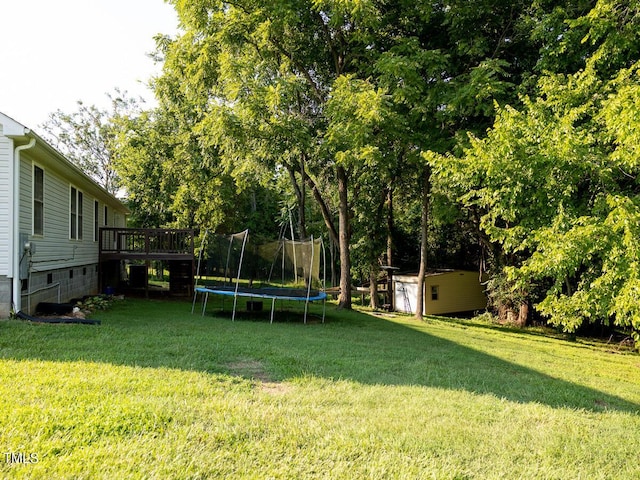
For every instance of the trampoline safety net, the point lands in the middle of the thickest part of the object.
(236, 265)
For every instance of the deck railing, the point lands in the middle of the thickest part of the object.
(145, 241)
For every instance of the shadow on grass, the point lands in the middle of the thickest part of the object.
(350, 346)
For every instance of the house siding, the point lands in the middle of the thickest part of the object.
(54, 249)
(61, 268)
(57, 268)
(6, 157)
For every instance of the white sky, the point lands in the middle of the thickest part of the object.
(55, 52)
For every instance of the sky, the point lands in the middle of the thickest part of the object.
(56, 52)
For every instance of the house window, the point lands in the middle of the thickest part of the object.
(96, 223)
(80, 216)
(434, 292)
(38, 201)
(75, 214)
(106, 217)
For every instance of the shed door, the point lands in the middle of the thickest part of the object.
(405, 294)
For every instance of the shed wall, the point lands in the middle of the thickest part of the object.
(457, 291)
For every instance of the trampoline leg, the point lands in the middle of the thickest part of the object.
(273, 305)
(204, 302)
(235, 303)
(193, 305)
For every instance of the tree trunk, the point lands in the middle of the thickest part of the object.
(344, 299)
(523, 315)
(302, 217)
(299, 190)
(334, 264)
(424, 224)
(324, 208)
(390, 226)
(341, 237)
(514, 314)
(374, 302)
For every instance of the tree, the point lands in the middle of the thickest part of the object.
(266, 72)
(555, 182)
(144, 145)
(592, 263)
(257, 90)
(356, 113)
(87, 136)
(444, 70)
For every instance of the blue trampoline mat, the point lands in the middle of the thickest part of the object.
(295, 294)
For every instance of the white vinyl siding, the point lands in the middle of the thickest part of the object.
(55, 250)
(26, 193)
(6, 157)
(43, 208)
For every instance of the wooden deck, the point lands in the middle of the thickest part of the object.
(137, 248)
(146, 244)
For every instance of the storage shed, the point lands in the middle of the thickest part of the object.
(446, 292)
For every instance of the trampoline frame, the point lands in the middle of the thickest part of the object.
(256, 293)
(267, 293)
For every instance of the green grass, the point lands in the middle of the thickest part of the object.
(155, 392)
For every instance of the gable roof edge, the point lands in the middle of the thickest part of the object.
(15, 130)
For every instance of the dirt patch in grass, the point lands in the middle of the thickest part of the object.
(254, 370)
(251, 369)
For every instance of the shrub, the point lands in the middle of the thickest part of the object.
(98, 302)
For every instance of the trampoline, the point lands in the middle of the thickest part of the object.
(273, 294)
(294, 262)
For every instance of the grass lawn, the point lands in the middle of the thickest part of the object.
(156, 392)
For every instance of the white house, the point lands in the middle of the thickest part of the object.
(50, 215)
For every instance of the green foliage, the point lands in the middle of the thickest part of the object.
(265, 105)
(600, 255)
(555, 183)
(527, 168)
(143, 149)
(505, 294)
(612, 33)
(92, 304)
(88, 136)
(354, 112)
